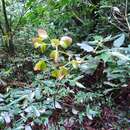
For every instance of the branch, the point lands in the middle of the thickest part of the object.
(78, 18)
(19, 21)
(117, 26)
(126, 15)
(15, 28)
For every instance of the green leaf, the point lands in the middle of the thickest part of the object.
(61, 73)
(119, 41)
(80, 85)
(55, 73)
(75, 64)
(55, 42)
(38, 94)
(54, 55)
(41, 65)
(85, 47)
(43, 47)
(65, 42)
(120, 56)
(105, 56)
(36, 45)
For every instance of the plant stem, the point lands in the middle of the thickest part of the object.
(126, 16)
(8, 29)
(9, 41)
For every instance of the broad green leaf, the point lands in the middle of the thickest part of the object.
(65, 42)
(61, 73)
(85, 47)
(54, 55)
(57, 105)
(36, 45)
(79, 85)
(120, 56)
(37, 42)
(90, 116)
(43, 47)
(38, 94)
(55, 73)
(119, 41)
(98, 38)
(105, 56)
(55, 42)
(37, 39)
(41, 65)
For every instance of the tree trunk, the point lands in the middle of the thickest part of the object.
(8, 33)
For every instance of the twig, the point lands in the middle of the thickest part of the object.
(17, 83)
(126, 16)
(22, 15)
(116, 26)
(77, 17)
(19, 21)
(119, 21)
(16, 101)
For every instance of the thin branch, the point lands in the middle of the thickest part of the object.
(20, 18)
(126, 15)
(119, 20)
(77, 17)
(116, 26)
(22, 15)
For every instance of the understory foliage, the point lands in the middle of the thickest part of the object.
(70, 67)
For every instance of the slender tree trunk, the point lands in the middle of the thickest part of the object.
(1, 28)
(8, 32)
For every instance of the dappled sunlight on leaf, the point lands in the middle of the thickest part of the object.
(54, 55)
(55, 42)
(61, 73)
(41, 65)
(65, 42)
(42, 33)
